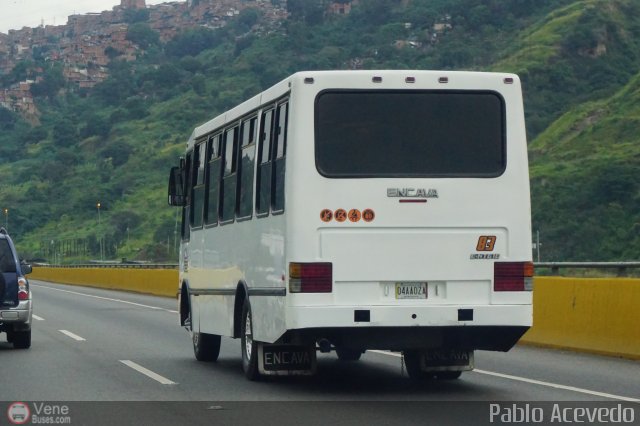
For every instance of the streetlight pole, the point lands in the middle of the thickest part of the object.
(98, 205)
(6, 219)
(537, 244)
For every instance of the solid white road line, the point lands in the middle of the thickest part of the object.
(147, 372)
(73, 336)
(107, 298)
(37, 318)
(535, 382)
(557, 386)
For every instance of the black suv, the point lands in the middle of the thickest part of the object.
(16, 306)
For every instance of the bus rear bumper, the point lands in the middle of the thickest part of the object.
(409, 316)
(399, 328)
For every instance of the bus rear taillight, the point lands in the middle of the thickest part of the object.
(310, 277)
(513, 276)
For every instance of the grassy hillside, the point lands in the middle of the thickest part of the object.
(579, 62)
(585, 180)
(584, 51)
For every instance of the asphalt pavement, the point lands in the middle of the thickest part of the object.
(114, 355)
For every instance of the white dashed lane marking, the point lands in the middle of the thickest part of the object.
(147, 372)
(73, 336)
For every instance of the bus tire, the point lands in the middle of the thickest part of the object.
(248, 345)
(348, 354)
(412, 364)
(206, 347)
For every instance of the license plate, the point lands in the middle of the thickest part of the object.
(282, 359)
(448, 358)
(411, 290)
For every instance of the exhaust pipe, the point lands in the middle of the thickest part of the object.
(324, 345)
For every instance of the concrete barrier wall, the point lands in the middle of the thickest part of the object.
(592, 315)
(600, 315)
(160, 282)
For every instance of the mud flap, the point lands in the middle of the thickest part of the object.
(286, 360)
(446, 360)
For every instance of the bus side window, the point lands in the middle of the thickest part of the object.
(214, 162)
(197, 198)
(263, 184)
(279, 153)
(229, 184)
(186, 211)
(245, 168)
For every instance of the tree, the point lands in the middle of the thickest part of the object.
(64, 133)
(96, 125)
(375, 12)
(118, 86)
(51, 84)
(7, 119)
(248, 18)
(19, 72)
(136, 107)
(142, 35)
(132, 16)
(191, 64)
(118, 151)
(199, 84)
(35, 135)
(193, 41)
(112, 52)
(123, 221)
(307, 11)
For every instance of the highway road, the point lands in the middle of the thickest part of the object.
(92, 345)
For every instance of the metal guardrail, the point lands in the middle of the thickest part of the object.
(621, 267)
(114, 265)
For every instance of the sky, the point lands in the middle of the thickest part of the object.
(15, 14)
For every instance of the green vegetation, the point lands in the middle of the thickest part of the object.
(579, 62)
(585, 180)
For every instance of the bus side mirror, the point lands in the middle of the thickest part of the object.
(176, 188)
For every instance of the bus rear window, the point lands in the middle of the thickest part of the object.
(410, 134)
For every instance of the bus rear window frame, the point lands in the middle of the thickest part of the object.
(503, 129)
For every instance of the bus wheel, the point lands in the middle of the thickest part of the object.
(206, 347)
(412, 363)
(249, 346)
(348, 354)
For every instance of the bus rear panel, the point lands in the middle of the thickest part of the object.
(408, 212)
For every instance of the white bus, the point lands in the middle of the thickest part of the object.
(356, 210)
